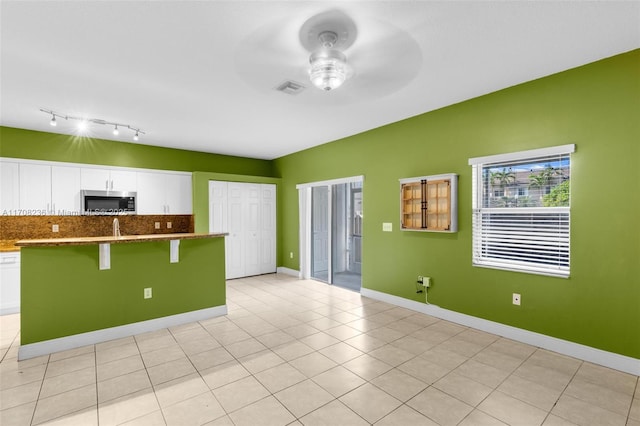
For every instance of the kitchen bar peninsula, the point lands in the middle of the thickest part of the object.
(82, 291)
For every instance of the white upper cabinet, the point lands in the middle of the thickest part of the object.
(9, 188)
(108, 180)
(178, 194)
(164, 193)
(65, 190)
(35, 189)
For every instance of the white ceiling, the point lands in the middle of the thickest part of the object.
(200, 75)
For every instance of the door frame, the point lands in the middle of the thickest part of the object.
(304, 207)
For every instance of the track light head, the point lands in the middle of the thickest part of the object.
(116, 132)
(53, 121)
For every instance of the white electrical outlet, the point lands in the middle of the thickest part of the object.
(157, 225)
(168, 225)
(148, 294)
(55, 228)
(291, 255)
(516, 299)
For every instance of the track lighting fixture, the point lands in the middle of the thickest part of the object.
(83, 123)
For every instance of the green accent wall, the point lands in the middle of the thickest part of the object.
(33, 145)
(65, 293)
(597, 107)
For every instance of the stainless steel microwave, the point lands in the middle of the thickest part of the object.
(108, 202)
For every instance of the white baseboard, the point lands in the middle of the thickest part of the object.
(576, 350)
(10, 310)
(287, 271)
(91, 338)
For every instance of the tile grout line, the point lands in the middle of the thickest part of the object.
(146, 370)
(35, 407)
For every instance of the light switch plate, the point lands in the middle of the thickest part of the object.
(148, 293)
(387, 227)
(168, 225)
(157, 225)
(55, 228)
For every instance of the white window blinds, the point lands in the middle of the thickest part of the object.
(521, 211)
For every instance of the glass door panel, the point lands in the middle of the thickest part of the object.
(346, 235)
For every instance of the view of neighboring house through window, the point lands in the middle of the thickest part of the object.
(521, 212)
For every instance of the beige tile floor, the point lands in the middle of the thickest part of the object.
(305, 353)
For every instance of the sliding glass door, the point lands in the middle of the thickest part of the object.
(331, 228)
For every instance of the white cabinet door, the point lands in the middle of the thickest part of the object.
(108, 180)
(151, 193)
(178, 194)
(9, 283)
(246, 211)
(164, 193)
(10, 188)
(65, 190)
(35, 189)
(122, 180)
(95, 179)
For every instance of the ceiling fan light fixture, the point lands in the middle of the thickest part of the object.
(328, 69)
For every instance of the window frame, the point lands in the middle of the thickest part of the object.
(481, 233)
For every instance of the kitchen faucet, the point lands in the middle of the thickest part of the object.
(116, 227)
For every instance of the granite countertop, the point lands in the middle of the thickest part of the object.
(8, 246)
(111, 240)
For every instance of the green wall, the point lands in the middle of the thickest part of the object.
(596, 107)
(18, 143)
(64, 292)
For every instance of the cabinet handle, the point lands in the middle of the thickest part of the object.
(112, 185)
(106, 184)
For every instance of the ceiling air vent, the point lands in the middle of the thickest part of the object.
(290, 87)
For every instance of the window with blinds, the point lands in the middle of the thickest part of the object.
(521, 211)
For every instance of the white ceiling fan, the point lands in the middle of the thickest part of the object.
(366, 57)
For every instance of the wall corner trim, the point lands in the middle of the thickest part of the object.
(586, 353)
(33, 350)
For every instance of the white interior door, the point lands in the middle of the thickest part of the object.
(235, 228)
(268, 229)
(246, 211)
(252, 229)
